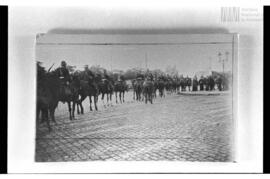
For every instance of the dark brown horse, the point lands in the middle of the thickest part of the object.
(88, 88)
(161, 87)
(120, 87)
(138, 88)
(50, 91)
(43, 96)
(155, 88)
(148, 88)
(106, 87)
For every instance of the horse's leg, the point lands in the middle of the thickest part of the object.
(102, 98)
(145, 96)
(69, 109)
(77, 104)
(116, 97)
(73, 109)
(78, 110)
(111, 98)
(120, 96)
(81, 100)
(45, 116)
(90, 100)
(95, 101)
(151, 98)
(52, 111)
(123, 96)
(108, 99)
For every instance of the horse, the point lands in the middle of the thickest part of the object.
(177, 85)
(106, 87)
(138, 88)
(121, 87)
(64, 93)
(56, 92)
(48, 95)
(169, 86)
(161, 87)
(155, 88)
(43, 96)
(88, 88)
(133, 82)
(174, 85)
(148, 88)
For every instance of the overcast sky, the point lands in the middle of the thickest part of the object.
(188, 58)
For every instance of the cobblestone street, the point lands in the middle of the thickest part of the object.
(177, 127)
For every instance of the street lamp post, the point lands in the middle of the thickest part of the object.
(220, 60)
(223, 60)
(227, 56)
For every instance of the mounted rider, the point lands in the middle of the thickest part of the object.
(88, 75)
(139, 76)
(148, 75)
(121, 78)
(105, 75)
(63, 73)
(64, 76)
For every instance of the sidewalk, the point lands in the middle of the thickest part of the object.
(204, 93)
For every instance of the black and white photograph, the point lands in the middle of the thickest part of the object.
(101, 85)
(134, 100)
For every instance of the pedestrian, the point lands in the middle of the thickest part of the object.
(195, 84)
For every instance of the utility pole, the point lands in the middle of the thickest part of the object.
(227, 58)
(210, 63)
(111, 62)
(146, 60)
(223, 60)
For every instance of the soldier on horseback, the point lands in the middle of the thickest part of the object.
(139, 76)
(88, 75)
(149, 76)
(64, 76)
(106, 76)
(148, 87)
(63, 73)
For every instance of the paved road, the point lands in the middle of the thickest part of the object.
(177, 127)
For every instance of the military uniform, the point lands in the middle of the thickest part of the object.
(88, 75)
(201, 83)
(63, 74)
(195, 84)
(139, 76)
(122, 78)
(149, 76)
